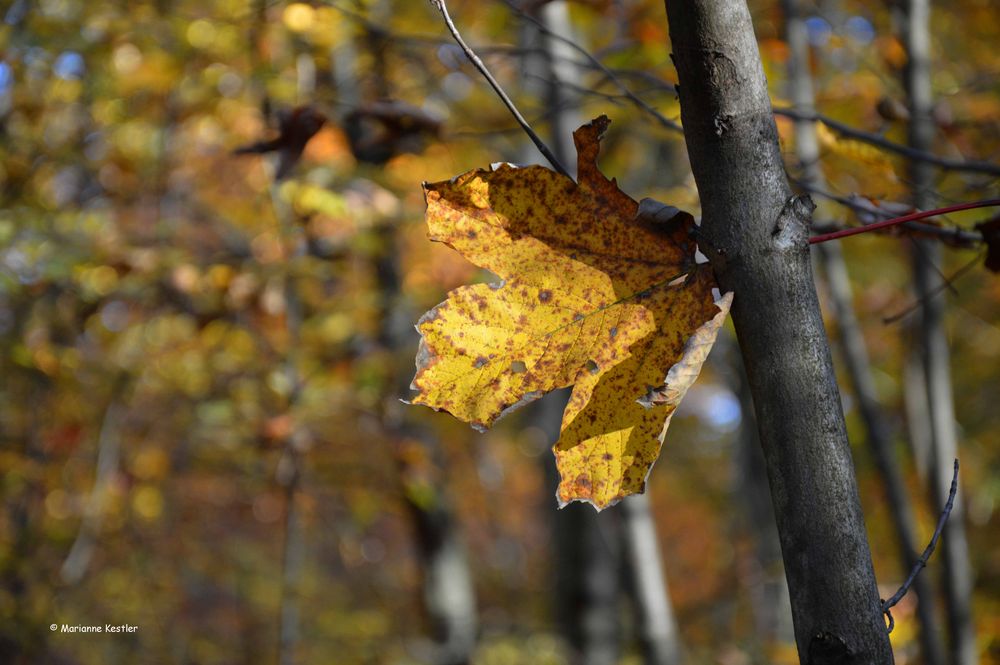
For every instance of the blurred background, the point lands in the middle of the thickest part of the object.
(203, 353)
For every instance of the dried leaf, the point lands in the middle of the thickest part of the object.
(595, 292)
(991, 236)
(613, 429)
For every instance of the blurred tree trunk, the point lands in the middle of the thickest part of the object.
(765, 576)
(589, 587)
(932, 340)
(851, 341)
(449, 597)
(585, 560)
(659, 636)
(585, 563)
(447, 592)
(290, 466)
(756, 235)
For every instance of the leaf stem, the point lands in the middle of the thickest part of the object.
(843, 233)
(481, 66)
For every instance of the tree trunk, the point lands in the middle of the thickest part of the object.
(586, 565)
(756, 235)
(933, 342)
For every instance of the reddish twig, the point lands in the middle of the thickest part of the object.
(843, 233)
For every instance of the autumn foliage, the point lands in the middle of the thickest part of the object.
(595, 294)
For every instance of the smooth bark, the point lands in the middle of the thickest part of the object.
(755, 233)
(932, 342)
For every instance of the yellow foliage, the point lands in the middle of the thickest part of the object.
(854, 150)
(594, 293)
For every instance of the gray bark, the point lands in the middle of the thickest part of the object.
(933, 342)
(756, 235)
(851, 341)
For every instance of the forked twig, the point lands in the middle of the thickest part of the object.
(922, 561)
(481, 66)
(631, 96)
(947, 284)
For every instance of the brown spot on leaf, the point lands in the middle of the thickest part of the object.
(545, 295)
(480, 362)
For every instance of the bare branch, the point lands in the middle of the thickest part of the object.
(928, 551)
(946, 285)
(479, 65)
(970, 166)
(632, 97)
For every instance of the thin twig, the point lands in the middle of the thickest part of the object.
(613, 75)
(635, 99)
(843, 233)
(481, 66)
(922, 561)
(969, 166)
(946, 284)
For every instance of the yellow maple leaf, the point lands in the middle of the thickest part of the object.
(597, 291)
(614, 426)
